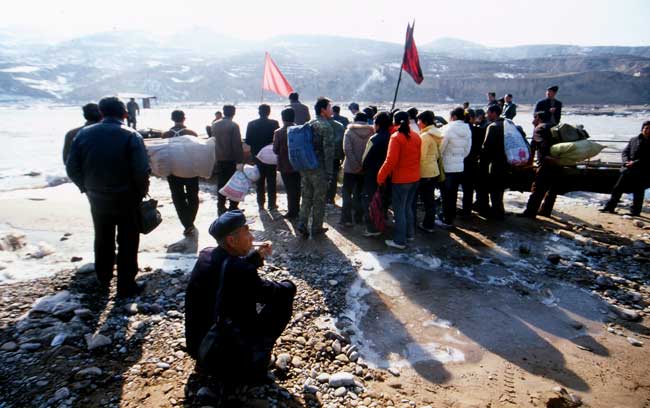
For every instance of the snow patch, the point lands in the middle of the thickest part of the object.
(22, 69)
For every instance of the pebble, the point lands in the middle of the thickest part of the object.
(394, 371)
(323, 378)
(341, 379)
(164, 366)
(297, 362)
(354, 356)
(131, 309)
(83, 313)
(9, 346)
(61, 394)
(30, 346)
(76, 259)
(96, 341)
(635, 342)
(282, 362)
(89, 372)
(58, 340)
(340, 392)
(310, 389)
(626, 314)
(333, 282)
(336, 346)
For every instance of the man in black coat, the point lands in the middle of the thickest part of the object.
(493, 167)
(109, 163)
(547, 171)
(259, 134)
(634, 173)
(250, 312)
(551, 105)
(92, 116)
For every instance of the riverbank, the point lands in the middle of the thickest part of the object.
(498, 314)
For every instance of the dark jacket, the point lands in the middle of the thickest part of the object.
(493, 161)
(542, 141)
(108, 158)
(509, 111)
(132, 108)
(546, 104)
(301, 111)
(227, 141)
(69, 137)
(637, 151)
(243, 290)
(342, 120)
(376, 154)
(281, 148)
(259, 133)
(636, 177)
(478, 137)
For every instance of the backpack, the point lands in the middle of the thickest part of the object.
(301, 147)
(515, 147)
(564, 133)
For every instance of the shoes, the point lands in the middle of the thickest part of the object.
(319, 231)
(189, 230)
(443, 224)
(607, 210)
(132, 290)
(302, 231)
(393, 244)
(371, 233)
(421, 227)
(634, 214)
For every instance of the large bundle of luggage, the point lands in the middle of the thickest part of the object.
(182, 156)
(571, 144)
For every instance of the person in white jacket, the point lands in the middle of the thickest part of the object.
(456, 144)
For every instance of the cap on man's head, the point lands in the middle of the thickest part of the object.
(553, 88)
(227, 223)
(353, 106)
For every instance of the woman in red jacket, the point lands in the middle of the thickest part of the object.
(403, 165)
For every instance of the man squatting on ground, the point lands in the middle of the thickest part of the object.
(254, 310)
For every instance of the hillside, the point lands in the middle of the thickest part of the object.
(199, 65)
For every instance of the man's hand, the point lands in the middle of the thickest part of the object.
(239, 166)
(552, 110)
(265, 250)
(629, 164)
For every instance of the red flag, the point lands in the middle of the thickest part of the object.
(411, 61)
(274, 81)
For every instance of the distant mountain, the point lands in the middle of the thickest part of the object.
(469, 50)
(202, 65)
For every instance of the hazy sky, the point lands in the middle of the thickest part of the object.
(489, 22)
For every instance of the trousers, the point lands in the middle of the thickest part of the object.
(185, 195)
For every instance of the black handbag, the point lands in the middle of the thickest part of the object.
(149, 216)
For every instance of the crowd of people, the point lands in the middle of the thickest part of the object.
(389, 159)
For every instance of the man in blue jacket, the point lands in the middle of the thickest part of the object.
(109, 163)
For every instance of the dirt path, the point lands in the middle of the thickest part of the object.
(490, 314)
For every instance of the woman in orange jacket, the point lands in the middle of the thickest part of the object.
(402, 164)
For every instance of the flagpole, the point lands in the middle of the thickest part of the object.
(399, 79)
